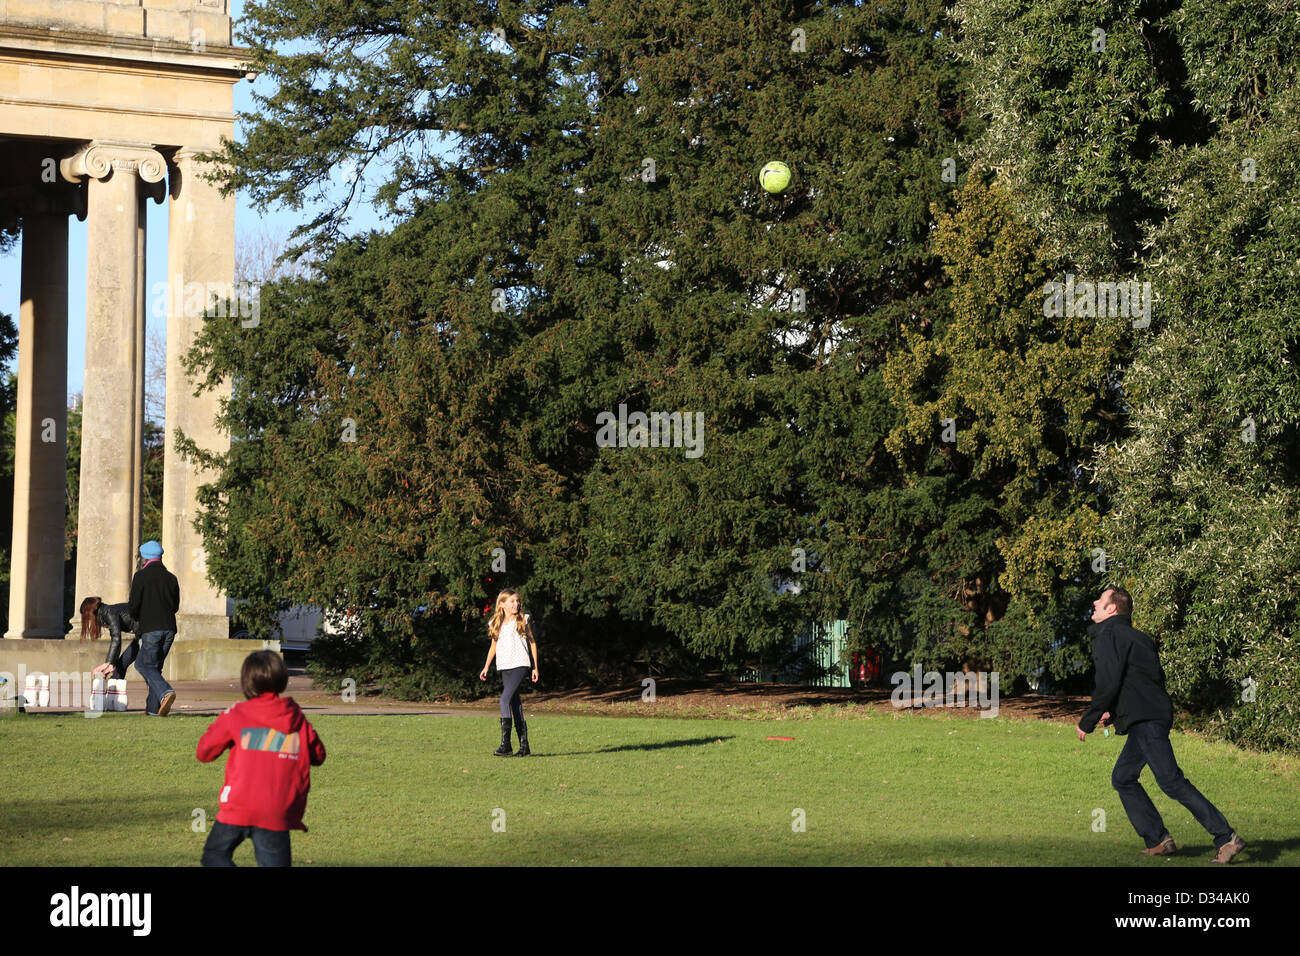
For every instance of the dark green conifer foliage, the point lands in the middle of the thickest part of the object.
(1170, 157)
(596, 239)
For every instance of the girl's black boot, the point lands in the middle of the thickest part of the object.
(504, 749)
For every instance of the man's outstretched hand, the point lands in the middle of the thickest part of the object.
(1105, 718)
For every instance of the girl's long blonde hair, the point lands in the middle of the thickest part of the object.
(522, 624)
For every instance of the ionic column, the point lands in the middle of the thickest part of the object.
(40, 440)
(200, 259)
(108, 500)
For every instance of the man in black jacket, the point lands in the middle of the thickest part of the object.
(155, 599)
(1131, 685)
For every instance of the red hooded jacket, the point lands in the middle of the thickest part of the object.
(273, 749)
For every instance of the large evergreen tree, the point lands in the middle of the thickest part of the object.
(1168, 156)
(1024, 398)
(577, 228)
(595, 238)
(1206, 492)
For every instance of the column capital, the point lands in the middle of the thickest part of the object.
(189, 155)
(102, 157)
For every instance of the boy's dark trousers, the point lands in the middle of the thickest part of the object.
(1148, 744)
(270, 847)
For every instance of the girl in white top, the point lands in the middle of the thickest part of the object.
(512, 641)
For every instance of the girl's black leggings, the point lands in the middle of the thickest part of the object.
(511, 705)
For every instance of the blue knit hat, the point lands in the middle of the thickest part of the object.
(150, 550)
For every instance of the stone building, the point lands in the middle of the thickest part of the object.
(105, 106)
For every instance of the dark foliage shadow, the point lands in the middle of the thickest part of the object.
(664, 745)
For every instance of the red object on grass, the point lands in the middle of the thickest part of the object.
(780, 738)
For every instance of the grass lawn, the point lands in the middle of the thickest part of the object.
(874, 788)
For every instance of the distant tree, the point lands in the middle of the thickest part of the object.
(72, 487)
(8, 409)
(262, 255)
(155, 375)
(9, 227)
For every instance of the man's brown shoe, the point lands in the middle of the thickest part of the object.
(169, 698)
(1167, 847)
(1230, 849)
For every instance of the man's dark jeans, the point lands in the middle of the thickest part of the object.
(270, 847)
(149, 662)
(1148, 745)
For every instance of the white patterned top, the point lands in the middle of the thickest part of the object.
(512, 648)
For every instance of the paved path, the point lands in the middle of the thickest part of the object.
(675, 698)
(214, 696)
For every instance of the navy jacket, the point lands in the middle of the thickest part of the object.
(1130, 681)
(155, 599)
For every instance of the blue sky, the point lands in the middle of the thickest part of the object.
(247, 220)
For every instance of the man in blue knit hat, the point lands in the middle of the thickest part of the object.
(155, 599)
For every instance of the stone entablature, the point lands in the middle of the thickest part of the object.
(195, 22)
(82, 84)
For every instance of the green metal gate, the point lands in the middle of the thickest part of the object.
(820, 645)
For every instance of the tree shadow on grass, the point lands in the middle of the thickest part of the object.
(664, 745)
(927, 849)
(720, 694)
(1202, 851)
(1256, 851)
(697, 842)
(333, 711)
(36, 817)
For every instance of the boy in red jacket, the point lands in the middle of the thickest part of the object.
(269, 770)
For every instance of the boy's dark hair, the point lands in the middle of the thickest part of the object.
(1122, 600)
(263, 671)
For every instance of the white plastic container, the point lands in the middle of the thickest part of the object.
(37, 690)
(115, 695)
(107, 695)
